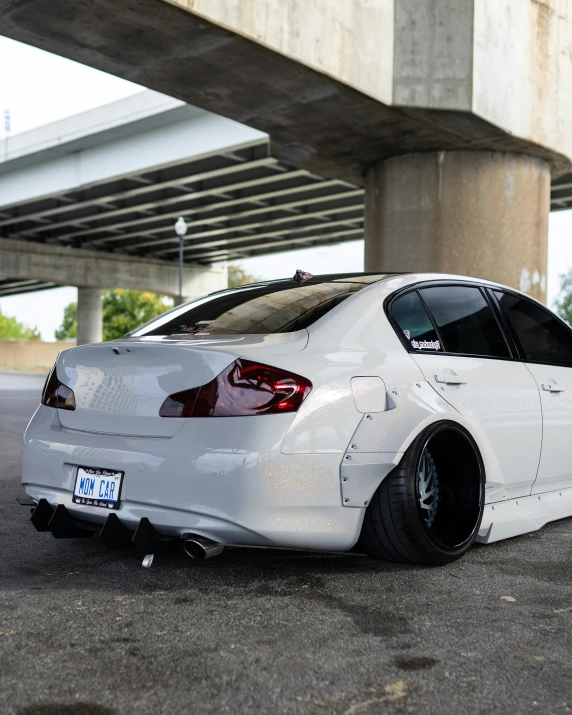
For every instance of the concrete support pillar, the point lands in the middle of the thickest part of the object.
(89, 315)
(474, 213)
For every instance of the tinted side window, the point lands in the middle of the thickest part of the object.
(465, 321)
(543, 338)
(411, 316)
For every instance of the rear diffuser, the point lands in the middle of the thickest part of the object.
(63, 525)
(59, 521)
(145, 537)
(114, 535)
(41, 515)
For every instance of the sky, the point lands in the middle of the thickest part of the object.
(39, 88)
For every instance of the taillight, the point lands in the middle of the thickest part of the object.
(55, 394)
(244, 388)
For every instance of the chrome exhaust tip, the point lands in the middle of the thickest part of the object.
(200, 548)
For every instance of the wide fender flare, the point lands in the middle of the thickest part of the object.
(410, 409)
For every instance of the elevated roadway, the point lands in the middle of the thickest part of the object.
(92, 200)
(114, 180)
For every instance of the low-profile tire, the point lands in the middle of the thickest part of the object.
(405, 522)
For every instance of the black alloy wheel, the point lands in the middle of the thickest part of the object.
(428, 510)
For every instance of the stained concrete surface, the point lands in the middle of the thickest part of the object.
(316, 122)
(448, 231)
(84, 631)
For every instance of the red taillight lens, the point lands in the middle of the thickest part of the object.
(56, 394)
(244, 388)
(180, 404)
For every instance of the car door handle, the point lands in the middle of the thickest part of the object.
(450, 380)
(552, 387)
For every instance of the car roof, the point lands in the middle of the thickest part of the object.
(356, 277)
(371, 278)
(409, 277)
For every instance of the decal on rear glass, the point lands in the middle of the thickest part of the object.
(199, 326)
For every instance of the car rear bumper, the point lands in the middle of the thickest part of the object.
(224, 479)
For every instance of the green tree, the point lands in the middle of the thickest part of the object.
(237, 276)
(563, 303)
(123, 310)
(68, 328)
(11, 329)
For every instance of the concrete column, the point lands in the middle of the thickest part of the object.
(473, 213)
(89, 318)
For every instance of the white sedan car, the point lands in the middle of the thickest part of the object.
(400, 415)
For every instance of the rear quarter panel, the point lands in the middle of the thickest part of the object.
(353, 340)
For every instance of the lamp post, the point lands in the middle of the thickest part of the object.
(181, 229)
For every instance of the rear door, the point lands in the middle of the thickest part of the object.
(468, 360)
(546, 346)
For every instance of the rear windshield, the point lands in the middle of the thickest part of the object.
(257, 309)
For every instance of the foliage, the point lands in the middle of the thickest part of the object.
(11, 329)
(563, 303)
(237, 276)
(68, 328)
(123, 311)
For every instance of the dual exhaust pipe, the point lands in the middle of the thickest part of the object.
(200, 548)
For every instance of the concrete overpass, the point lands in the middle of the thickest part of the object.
(453, 114)
(92, 200)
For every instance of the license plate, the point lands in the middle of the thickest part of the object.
(97, 487)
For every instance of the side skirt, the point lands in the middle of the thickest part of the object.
(514, 517)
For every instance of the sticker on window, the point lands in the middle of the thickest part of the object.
(426, 344)
(407, 334)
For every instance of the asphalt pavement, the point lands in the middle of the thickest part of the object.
(86, 631)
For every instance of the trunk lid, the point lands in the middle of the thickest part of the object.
(120, 386)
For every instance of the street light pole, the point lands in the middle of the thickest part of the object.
(181, 230)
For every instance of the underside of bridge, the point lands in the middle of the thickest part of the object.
(238, 203)
(452, 114)
(206, 54)
(92, 200)
(85, 195)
